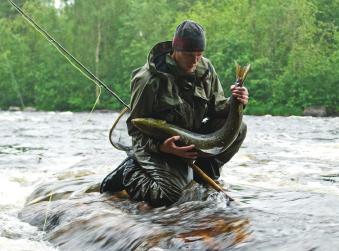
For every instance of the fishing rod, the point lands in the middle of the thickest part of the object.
(74, 61)
(86, 72)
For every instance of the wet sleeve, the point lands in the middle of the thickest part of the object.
(142, 101)
(219, 104)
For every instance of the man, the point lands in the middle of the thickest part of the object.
(178, 85)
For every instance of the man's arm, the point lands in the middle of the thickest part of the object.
(169, 146)
(241, 93)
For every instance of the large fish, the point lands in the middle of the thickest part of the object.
(205, 144)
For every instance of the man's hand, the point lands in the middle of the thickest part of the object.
(170, 147)
(240, 93)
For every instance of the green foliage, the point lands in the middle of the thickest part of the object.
(291, 45)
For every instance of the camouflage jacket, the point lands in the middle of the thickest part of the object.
(160, 90)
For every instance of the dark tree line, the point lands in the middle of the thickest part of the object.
(293, 47)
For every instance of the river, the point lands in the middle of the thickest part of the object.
(285, 179)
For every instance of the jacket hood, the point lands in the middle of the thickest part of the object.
(157, 56)
(156, 60)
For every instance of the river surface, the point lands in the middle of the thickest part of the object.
(285, 179)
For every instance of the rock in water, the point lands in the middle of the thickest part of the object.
(76, 216)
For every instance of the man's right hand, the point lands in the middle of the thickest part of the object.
(170, 147)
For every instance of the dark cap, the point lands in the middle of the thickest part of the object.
(189, 36)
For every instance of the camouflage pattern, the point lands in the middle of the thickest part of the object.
(161, 90)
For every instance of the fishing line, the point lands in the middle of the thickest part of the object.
(74, 62)
(90, 113)
(54, 43)
(66, 54)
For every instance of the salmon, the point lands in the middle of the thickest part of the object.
(206, 145)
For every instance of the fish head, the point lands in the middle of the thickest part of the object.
(146, 125)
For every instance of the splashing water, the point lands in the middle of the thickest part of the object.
(285, 177)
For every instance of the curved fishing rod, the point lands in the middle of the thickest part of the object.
(67, 55)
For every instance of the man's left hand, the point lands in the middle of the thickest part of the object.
(241, 93)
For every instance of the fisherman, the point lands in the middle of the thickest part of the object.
(180, 86)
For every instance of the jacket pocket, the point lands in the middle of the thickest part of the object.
(167, 108)
(200, 93)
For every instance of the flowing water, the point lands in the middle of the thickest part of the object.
(285, 179)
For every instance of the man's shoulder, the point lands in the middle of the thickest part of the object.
(207, 64)
(205, 68)
(143, 76)
(141, 73)
(205, 61)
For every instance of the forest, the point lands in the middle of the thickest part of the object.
(292, 46)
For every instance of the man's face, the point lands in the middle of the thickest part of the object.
(188, 61)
